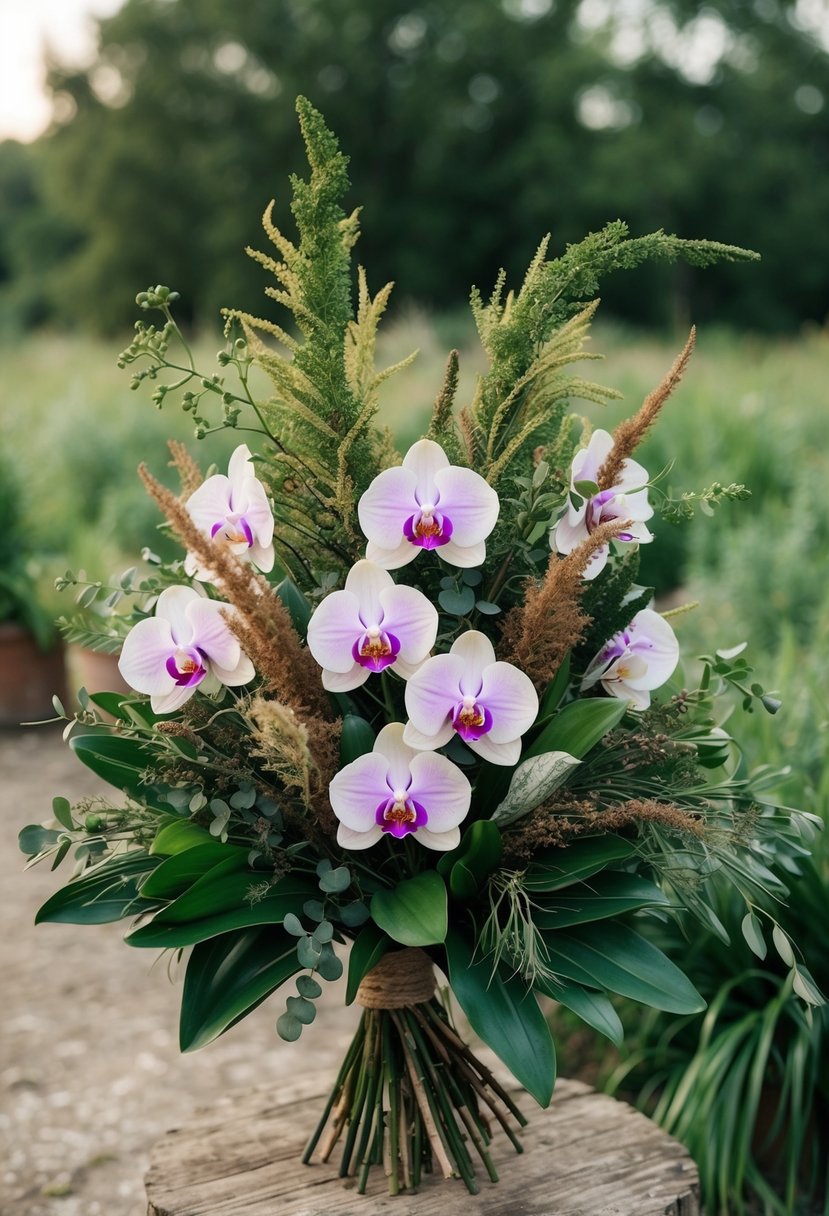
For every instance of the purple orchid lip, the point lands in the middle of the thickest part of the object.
(376, 649)
(471, 721)
(428, 529)
(400, 817)
(192, 670)
(242, 531)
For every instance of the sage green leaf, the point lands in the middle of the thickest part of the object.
(62, 811)
(555, 868)
(34, 839)
(607, 894)
(594, 1008)
(107, 892)
(533, 780)
(414, 912)
(615, 958)
(370, 944)
(228, 976)
(505, 1014)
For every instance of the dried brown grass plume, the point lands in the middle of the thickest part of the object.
(189, 473)
(538, 633)
(630, 433)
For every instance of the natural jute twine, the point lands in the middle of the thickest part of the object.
(403, 977)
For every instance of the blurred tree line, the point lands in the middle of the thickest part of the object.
(474, 127)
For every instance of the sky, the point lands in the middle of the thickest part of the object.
(25, 27)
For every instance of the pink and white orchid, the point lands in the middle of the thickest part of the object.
(234, 512)
(427, 503)
(626, 500)
(370, 625)
(636, 660)
(398, 791)
(488, 704)
(186, 645)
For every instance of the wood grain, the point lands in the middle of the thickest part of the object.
(588, 1155)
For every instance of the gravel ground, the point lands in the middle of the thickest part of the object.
(90, 1072)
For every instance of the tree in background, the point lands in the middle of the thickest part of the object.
(474, 125)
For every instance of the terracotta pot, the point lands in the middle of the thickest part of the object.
(96, 672)
(29, 676)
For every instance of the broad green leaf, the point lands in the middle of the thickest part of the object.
(178, 836)
(357, 738)
(555, 868)
(468, 866)
(607, 894)
(298, 607)
(179, 871)
(118, 760)
(111, 703)
(505, 1014)
(415, 912)
(594, 1008)
(613, 957)
(228, 976)
(224, 887)
(533, 781)
(579, 726)
(284, 897)
(34, 839)
(555, 691)
(753, 933)
(105, 893)
(62, 811)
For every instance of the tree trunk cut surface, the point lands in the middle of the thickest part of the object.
(588, 1155)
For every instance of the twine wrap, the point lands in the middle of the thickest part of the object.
(402, 977)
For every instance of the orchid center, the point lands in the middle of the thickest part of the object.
(471, 720)
(400, 814)
(233, 532)
(187, 667)
(376, 649)
(428, 528)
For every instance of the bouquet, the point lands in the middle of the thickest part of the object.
(415, 713)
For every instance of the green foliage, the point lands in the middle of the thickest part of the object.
(415, 912)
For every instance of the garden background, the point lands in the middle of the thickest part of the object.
(474, 127)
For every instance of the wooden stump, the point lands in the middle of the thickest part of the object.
(588, 1155)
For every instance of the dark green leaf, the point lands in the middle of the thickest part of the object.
(415, 912)
(178, 872)
(106, 893)
(369, 947)
(613, 957)
(298, 607)
(62, 811)
(180, 835)
(118, 760)
(329, 966)
(470, 864)
(555, 868)
(229, 976)
(357, 738)
(594, 1008)
(610, 893)
(579, 726)
(555, 691)
(504, 1013)
(34, 839)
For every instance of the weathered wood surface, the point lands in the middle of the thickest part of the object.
(588, 1155)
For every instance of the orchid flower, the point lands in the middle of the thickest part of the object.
(186, 645)
(234, 512)
(399, 791)
(636, 660)
(466, 692)
(370, 625)
(626, 500)
(427, 503)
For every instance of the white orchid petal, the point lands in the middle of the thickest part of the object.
(172, 606)
(240, 466)
(392, 559)
(366, 580)
(357, 790)
(254, 506)
(465, 558)
(396, 754)
(407, 670)
(211, 632)
(233, 677)
(588, 461)
(386, 505)
(636, 697)
(333, 629)
(168, 703)
(508, 753)
(262, 556)
(426, 459)
(510, 697)
(633, 476)
(144, 655)
(412, 619)
(476, 653)
(210, 503)
(427, 743)
(470, 503)
(433, 693)
(441, 842)
(441, 788)
(569, 532)
(345, 681)
(347, 838)
(653, 639)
